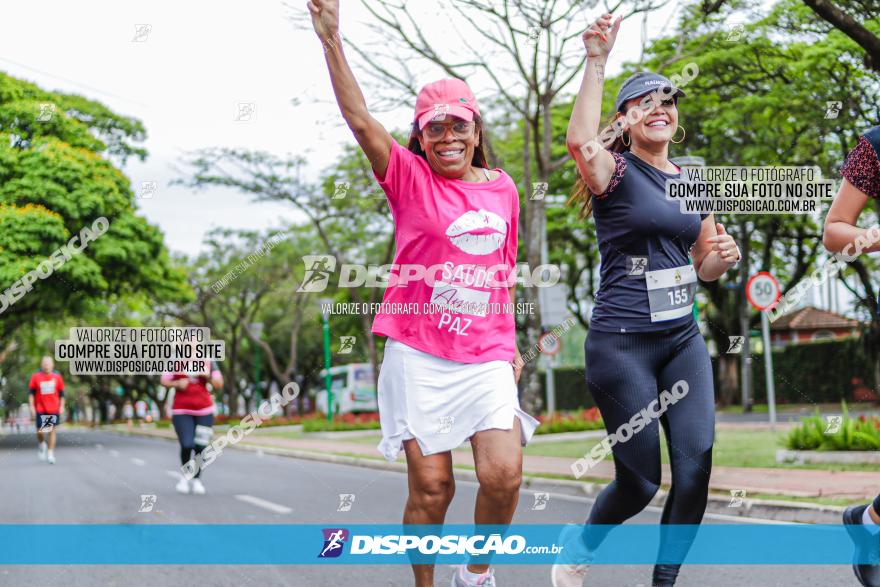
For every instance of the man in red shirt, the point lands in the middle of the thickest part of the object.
(46, 400)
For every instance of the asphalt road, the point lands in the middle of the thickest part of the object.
(100, 476)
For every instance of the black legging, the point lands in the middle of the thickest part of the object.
(185, 427)
(625, 372)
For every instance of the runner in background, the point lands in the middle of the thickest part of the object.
(46, 400)
(448, 375)
(861, 183)
(192, 414)
(140, 412)
(127, 413)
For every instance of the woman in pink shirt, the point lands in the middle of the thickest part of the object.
(192, 414)
(450, 364)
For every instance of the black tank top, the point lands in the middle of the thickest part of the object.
(637, 225)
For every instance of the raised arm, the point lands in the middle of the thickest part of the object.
(374, 140)
(596, 164)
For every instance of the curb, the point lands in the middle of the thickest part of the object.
(765, 509)
(859, 457)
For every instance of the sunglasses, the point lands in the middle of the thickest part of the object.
(461, 129)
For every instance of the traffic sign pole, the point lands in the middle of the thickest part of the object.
(763, 291)
(550, 344)
(768, 370)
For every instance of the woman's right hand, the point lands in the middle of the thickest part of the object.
(600, 37)
(325, 17)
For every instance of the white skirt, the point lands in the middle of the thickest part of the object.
(442, 403)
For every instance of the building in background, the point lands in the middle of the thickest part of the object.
(810, 324)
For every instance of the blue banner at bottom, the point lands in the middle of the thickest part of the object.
(309, 544)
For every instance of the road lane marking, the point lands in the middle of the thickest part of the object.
(138, 462)
(262, 503)
(114, 453)
(175, 474)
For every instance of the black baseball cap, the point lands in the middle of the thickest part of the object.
(643, 83)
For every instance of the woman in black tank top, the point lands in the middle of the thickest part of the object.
(646, 363)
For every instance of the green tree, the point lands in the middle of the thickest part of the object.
(350, 221)
(761, 99)
(57, 178)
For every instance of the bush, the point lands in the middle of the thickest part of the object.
(274, 421)
(818, 372)
(282, 421)
(822, 371)
(319, 423)
(588, 419)
(571, 389)
(854, 434)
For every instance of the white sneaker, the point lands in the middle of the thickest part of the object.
(197, 487)
(487, 579)
(572, 563)
(51, 457)
(568, 575)
(182, 486)
(41, 452)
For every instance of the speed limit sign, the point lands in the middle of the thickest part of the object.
(549, 343)
(762, 290)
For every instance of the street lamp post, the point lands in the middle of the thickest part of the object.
(325, 318)
(257, 329)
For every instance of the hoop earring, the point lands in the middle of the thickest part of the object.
(623, 140)
(683, 135)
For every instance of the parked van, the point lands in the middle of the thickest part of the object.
(353, 389)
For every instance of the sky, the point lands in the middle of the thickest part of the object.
(183, 69)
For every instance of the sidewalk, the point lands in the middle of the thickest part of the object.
(788, 482)
(791, 482)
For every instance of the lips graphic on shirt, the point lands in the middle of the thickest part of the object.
(478, 232)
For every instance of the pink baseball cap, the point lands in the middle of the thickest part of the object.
(447, 97)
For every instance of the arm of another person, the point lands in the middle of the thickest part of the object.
(840, 223)
(372, 137)
(861, 182)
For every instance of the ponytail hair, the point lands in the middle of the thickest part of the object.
(581, 194)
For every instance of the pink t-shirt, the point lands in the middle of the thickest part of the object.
(464, 235)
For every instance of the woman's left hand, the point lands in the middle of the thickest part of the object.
(725, 246)
(517, 364)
